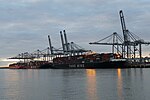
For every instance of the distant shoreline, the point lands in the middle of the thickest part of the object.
(4, 67)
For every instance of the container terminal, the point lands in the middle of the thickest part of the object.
(126, 53)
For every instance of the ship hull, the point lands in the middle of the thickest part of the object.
(91, 65)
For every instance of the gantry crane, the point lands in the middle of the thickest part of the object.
(67, 48)
(129, 43)
(130, 40)
(115, 40)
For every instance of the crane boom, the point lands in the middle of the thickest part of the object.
(50, 44)
(66, 41)
(124, 30)
(62, 41)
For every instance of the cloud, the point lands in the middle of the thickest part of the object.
(29, 1)
(21, 1)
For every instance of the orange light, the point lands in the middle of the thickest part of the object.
(91, 84)
(119, 72)
(119, 84)
(91, 72)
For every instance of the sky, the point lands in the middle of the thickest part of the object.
(25, 24)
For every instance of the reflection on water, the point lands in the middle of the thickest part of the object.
(91, 72)
(80, 84)
(12, 79)
(119, 84)
(130, 84)
(91, 84)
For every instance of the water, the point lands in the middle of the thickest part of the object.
(80, 84)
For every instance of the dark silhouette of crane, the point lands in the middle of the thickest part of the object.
(115, 40)
(68, 48)
(130, 40)
(129, 43)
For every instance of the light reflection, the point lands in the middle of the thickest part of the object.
(91, 72)
(11, 81)
(119, 72)
(91, 84)
(12, 76)
(119, 87)
(14, 79)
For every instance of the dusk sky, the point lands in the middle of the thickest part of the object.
(25, 24)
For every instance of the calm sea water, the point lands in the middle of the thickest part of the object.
(80, 84)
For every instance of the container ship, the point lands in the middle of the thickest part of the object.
(73, 56)
(70, 56)
(29, 65)
(84, 61)
(90, 61)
